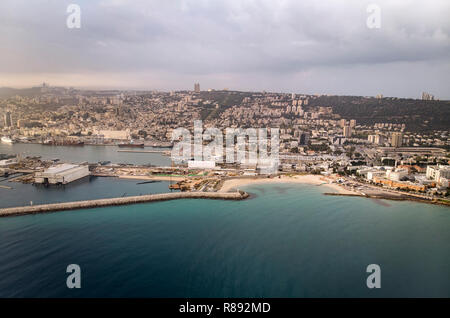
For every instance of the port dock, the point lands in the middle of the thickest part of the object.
(43, 208)
(144, 151)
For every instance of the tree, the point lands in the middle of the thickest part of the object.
(142, 133)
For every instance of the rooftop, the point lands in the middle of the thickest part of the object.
(60, 168)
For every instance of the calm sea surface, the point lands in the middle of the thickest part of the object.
(287, 241)
(88, 188)
(88, 153)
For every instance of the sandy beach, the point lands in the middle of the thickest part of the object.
(300, 179)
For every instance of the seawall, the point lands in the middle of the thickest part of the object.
(43, 208)
(394, 198)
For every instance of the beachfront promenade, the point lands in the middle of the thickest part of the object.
(120, 201)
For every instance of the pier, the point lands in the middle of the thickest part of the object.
(43, 208)
(144, 151)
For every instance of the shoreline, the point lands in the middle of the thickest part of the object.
(393, 198)
(164, 148)
(317, 180)
(235, 183)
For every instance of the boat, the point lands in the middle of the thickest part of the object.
(51, 142)
(73, 143)
(131, 144)
(7, 140)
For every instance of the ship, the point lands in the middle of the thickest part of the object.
(7, 140)
(51, 142)
(131, 144)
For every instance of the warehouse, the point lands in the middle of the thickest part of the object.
(61, 174)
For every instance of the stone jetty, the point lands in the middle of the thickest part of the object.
(32, 209)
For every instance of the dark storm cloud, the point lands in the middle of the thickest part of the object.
(275, 45)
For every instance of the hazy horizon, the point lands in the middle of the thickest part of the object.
(206, 89)
(307, 47)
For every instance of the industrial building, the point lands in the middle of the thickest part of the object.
(113, 134)
(61, 174)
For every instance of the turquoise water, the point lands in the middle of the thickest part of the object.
(287, 241)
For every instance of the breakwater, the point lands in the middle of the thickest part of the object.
(43, 208)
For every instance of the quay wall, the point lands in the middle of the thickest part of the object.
(395, 198)
(32, 209)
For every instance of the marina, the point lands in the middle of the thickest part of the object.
(167, 152)
(89, 153)
(15, 194)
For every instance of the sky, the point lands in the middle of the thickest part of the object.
(311, 46)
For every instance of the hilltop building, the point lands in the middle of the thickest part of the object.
(396, 139)
(347, 131)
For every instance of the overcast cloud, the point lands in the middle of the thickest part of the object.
(274, 45)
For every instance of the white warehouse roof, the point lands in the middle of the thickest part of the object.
(60, 168)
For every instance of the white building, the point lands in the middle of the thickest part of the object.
(438, 172)
(396, 175)
(61, 174)
(7, 162)
(443, 183)
(422, 179)
(375, 139)
(375, 173)
(198, 164)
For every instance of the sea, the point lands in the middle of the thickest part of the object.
(286, 240)
(89, 153)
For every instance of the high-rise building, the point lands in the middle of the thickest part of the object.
(353, 123)
(8, 121)
(303, 139)
(342, 123)
(427, 96)
(347, 131)
(197, 87)
(379, 139)
(21, 123)
(376, 139)
(396, 139)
